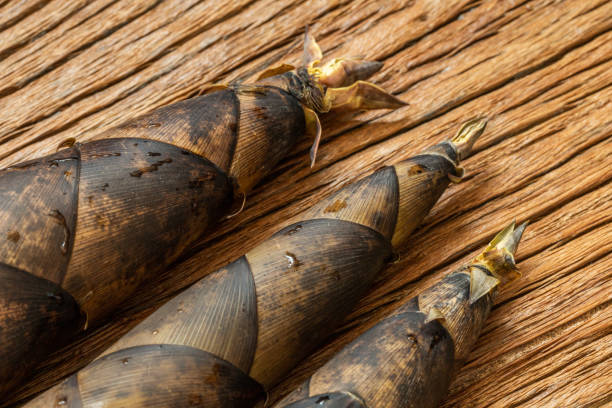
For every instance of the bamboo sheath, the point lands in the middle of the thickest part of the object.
(408, 359)
(238, 331)
(88, 224)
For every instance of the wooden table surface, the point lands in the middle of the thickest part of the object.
(540, 70)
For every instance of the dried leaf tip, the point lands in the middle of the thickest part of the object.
(435, 314)
(467, 135)
(480, 284)
(509, 238)
(498, 257)
(312, 51)
(361, 96)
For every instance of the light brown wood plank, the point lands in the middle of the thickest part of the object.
(541, 71)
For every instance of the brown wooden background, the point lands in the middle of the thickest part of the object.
(540, 70)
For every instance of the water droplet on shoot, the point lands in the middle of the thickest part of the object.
(292, 260)
(61, 220)
(59, 298)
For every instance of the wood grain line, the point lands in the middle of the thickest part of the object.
(15, 14)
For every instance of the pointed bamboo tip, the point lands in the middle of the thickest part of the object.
(342, 72)
(509, 238)
(517, 234)
(369, 68)
(358, 70)
(498, 257)
(313, 157)
(467, 135)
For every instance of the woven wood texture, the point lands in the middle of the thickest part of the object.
(540, 70)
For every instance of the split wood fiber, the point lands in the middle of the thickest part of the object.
(540, 70)
(234, 334)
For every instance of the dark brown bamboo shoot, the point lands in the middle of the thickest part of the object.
(266, 311)
(84, 227)
(408, 359)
